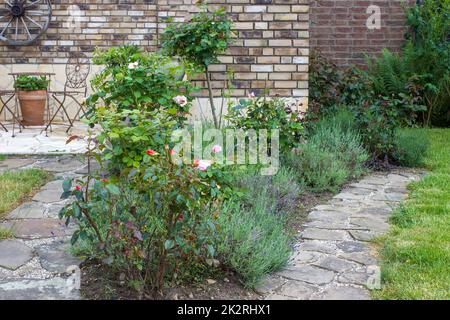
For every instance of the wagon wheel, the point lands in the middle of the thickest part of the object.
(23, 21)
(77, 71)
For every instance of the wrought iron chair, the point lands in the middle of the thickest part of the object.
(5, 97)
(75, 89)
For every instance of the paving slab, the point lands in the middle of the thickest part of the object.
(49, 289)
(14, 254)
(37, 228)
(308, 274)
(29, 210)
(56, 257)
(345, 293)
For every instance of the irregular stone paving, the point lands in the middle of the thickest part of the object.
(36, 264)
(333, 259)
(32, 141)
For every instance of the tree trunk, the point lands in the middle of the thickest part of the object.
(211, 99)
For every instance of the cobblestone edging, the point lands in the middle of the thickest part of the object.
(334, 259)
(35, 264)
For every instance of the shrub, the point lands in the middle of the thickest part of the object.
(132, 79)
(267, 113)
(333, 153)
(428, 51)
(150, 221)
(336, 135)
(410, 147)
(199, 42)
(324, 86)
(378, 120)
(253, 239)
(318, 168)
(127, 134)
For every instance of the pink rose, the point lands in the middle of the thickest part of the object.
(217, 149)
(203, 165)
(181, 100)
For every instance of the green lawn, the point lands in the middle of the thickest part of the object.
(416, 253)
(16, 186)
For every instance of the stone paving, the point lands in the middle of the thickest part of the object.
(37, 264)
(333, 259)
(32, 141)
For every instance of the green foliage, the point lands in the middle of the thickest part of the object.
(6, 234)
(28, 83)
(253, 239)
(378, 120)
(336, 135)
(318, 168)
(410, 147)
(150, 221)
(332, 155)
(16, 186)
(132, 79)
(124, 143)
(199, 41)
(388, 74)
(324, 86)
(267, 113)
(428, 51)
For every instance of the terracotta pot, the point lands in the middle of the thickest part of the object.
(32, 105)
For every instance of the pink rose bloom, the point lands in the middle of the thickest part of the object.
(181, 100)
(217, 149)
(203, 165)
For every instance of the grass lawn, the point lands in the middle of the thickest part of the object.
(16, 186)
(416, 253)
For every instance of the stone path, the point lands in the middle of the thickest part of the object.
(34, 265)
(334, 259)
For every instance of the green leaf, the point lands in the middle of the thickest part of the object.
(169, 244)
(113, 189)
(67, 185)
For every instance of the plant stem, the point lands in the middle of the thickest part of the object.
(211, 98)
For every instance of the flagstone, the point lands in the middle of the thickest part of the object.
(14, 254)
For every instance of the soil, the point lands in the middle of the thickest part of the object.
(101, 283)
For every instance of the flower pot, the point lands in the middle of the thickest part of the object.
(32, 106)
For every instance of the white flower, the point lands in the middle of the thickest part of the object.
(181, 100)
(133, 65)
(251, 95)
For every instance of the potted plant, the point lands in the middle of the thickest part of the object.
(32, 95)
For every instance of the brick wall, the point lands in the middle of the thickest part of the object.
(338, 28)
(271, 50)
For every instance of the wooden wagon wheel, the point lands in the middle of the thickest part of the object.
(23, 21)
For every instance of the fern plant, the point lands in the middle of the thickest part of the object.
(389, 74)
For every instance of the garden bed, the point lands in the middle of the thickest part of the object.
(100, 282)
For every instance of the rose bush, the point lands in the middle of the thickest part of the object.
(153, 219)
(132, 79)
